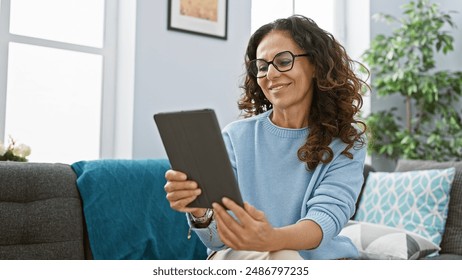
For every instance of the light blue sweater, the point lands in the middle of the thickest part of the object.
(274, 180)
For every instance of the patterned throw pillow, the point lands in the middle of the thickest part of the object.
(378, 242)
(452, 237)
(416, 201)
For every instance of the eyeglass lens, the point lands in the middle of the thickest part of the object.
(283, 62)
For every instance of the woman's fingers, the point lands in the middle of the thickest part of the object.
(173, 186)
(225, 224)
(180, 199)
(245, 215)
(174, 175)
(250, 229)
(180, 191)
(254, 212)
(233, 232)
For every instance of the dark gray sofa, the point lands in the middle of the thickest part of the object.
(115, 207)
(41, 213)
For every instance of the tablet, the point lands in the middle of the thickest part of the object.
(194, 145)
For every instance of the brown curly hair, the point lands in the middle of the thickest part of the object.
(337, 90)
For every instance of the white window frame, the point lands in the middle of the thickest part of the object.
(108, 53)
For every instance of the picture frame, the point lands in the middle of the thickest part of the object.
(200, 17)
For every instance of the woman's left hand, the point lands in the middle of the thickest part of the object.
(251, 232)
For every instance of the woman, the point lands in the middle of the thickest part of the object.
(298, 156)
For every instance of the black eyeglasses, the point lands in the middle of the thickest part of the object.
(283, 62)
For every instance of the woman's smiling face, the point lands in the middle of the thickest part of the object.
(291, 90)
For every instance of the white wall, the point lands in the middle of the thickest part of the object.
(180, 71)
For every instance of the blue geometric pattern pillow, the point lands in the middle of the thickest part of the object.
(416, 201)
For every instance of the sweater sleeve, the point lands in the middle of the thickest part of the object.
(336, 188)
(209, 236)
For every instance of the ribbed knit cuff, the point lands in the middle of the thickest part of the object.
(325, 222)
(208, 236)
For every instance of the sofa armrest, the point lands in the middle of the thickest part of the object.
(367, 168)
(40, 212)
(445, 257)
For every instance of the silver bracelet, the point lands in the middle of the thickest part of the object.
(204, 218)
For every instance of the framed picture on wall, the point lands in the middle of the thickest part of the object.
(201, 17)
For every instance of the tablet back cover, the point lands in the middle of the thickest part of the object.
(195, 146)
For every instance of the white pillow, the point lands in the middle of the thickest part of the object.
(379, 242)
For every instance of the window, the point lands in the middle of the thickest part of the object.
(264, 11)
(57, 60)
(328, 14)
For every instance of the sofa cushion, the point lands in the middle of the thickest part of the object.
(452, 237)
(379, 242)
(127, 214)
(40, 212)
(416, 201)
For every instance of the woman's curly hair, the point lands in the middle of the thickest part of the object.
(337, 90)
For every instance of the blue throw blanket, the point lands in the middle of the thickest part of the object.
(127, 214)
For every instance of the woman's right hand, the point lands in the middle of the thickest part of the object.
(181, 191)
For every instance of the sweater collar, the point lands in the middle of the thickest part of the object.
(282, 131)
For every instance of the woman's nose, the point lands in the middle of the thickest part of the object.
(272, 72)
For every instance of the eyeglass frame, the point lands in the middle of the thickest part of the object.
(253, 61)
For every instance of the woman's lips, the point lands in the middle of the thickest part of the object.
(278, 86)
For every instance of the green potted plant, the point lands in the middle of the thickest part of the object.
(404, 63)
